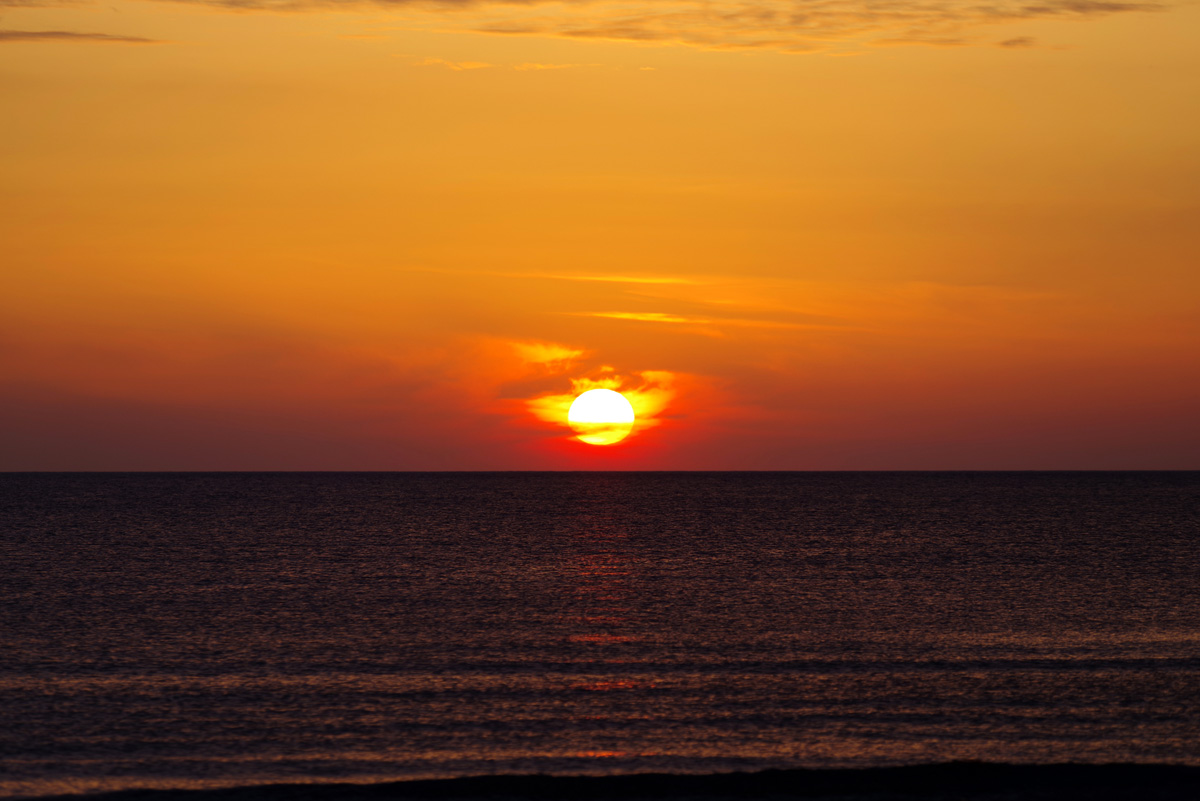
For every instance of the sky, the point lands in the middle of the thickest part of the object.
(403, 235)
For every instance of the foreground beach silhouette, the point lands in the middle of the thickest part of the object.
(960, 781)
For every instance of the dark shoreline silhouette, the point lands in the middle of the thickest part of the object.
(976, 781)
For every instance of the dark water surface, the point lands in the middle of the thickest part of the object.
(183, 630)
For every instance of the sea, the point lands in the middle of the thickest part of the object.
(195, 630)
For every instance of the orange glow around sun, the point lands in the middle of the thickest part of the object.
(599, 405)
(601, 417)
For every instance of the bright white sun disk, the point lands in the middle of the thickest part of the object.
(601, 417)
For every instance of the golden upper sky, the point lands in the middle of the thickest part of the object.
(796, 234)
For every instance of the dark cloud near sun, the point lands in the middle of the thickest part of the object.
(71, 36)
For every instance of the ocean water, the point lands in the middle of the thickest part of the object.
(185, 630)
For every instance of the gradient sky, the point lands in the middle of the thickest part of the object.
(799, 234)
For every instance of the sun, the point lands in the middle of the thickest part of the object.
(601, 417)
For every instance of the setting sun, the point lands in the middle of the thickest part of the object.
(601, 417)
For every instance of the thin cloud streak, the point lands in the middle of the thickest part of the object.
(643, 317)
(73, 36)
(677, 319)
(533, 66)
(456, 66)
(616, 279)
(611, 279)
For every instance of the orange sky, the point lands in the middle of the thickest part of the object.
(799, 234)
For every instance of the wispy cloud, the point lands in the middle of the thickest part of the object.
(611, 279)
(549, 355)
(795, 25)
(787, 25)
(680, 319)
(925, 41)
(456, 66)
(72, 36)
(642, 317)
(421, 61)
(530, 66)
(617, 279)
